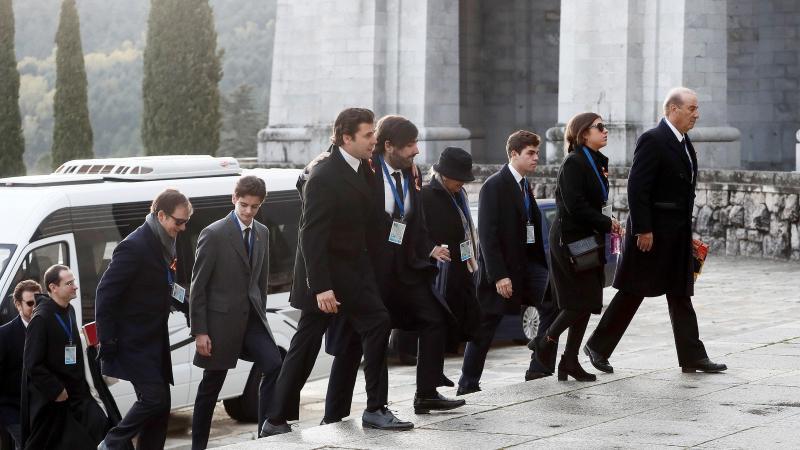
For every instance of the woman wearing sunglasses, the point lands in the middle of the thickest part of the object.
(576, 242)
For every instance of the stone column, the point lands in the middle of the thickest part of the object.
(393, 56)
(619, 58)
(797, 153)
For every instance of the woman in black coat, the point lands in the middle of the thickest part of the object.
(448, 218)
(581, 196)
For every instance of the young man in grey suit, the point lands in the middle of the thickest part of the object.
(228, 304)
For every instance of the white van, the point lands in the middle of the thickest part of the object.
(78, 214)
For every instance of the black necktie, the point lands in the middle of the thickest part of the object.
(686, 149)
(247, 241)
(399, 185)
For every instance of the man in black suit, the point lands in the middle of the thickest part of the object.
(657, 255)
(511, 259)
(333, 275)
(12, 345)
(403, 255)
(134, 297)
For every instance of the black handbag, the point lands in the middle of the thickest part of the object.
(585, 254)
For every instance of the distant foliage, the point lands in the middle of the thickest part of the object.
(182, 70)
(12, 143)
(241, 124)
(72, 130)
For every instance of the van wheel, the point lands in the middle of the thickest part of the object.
(245, 407)
(530, 321)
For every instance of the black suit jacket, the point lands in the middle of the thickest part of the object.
(502, 252)
(338, 211)
(132, 310)
(661, 191)
(12, 345)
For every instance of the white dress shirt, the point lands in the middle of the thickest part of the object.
(388, 196)
(680, 137)
(243, 227)
(517, 176)
(351, 160)
(24, 322)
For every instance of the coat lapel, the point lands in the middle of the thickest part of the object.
(348, 174)
(677, 147)
(236, 238)
(514, 188)
(155, 245)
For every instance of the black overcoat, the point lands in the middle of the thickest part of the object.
(132, 310)
(502, 251)
(661, 191)
(12, 343)
(445, 227)
(579, 206)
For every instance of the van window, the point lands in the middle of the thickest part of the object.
(36, 262)
(6, 250)
(94, 249)
(281, 214)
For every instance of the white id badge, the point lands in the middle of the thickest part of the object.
(466, 250)
(70, 355)
(178, 292)
(530, 234)
(608, 210)
(398, 230)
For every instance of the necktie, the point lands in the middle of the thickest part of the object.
(247, 241)
(399, 185)
(691, 166)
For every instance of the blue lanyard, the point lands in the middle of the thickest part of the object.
(596, 172)
(397, 202)
(526, 198)
(463, 209)
(67, 330)
(170, 277)
(252, 232)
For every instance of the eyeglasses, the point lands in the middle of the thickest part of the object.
(178, 222)
(30, 303)
(601, 127)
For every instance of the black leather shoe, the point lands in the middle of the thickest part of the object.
(598, 361)
(704, 365)
(271, 430)
(534, 375)
(384, 419)
(325, 421)
(446, 382)
(464, 390)
(438, 402)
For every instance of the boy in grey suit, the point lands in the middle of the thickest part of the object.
(228, 304)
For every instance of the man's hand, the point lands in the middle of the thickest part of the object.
(63, 396)
(616, 227)
(441, 254)
(644, 241)
(504, 288)
(327, 303)
(203, 344)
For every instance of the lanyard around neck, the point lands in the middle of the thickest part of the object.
(400, 206)
(67, 330)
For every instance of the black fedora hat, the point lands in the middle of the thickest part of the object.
(455, 163)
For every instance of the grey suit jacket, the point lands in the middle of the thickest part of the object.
(225, 285)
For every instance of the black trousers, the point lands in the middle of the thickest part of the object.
(148, 417)
(259, 346)
(419, 307)
(373, 327)
(620, 312)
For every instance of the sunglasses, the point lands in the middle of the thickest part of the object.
(178, 222)
(601, 127)
(30, 303)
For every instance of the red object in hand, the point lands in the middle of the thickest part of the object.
(90, 331)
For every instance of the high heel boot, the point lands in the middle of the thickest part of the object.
(545, 350)
(568, 365)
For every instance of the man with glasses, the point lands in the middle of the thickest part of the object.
(12, 343)
(132, 308)
(229, 302)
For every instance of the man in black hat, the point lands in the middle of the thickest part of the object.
(513, 267)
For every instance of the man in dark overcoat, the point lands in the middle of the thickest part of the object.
(511, 258)
(133, 304)
(657, 252)
(228, 305)
(334, 276)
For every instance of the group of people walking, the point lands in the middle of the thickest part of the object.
(374, 244)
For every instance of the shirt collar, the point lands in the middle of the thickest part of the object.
(24, 322)
(517, 176)
(391, 169)
(351, 160)
(678, 134)
(241, 224)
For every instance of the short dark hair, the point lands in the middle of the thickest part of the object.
(397, 130)
(53, 275)
(347, 122)
(250, 185)
(520, 139)
(26, 286)
(168, 200)
(576, 127)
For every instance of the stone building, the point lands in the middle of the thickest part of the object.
(469, 72)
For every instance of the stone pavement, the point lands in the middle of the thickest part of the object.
(748, 312)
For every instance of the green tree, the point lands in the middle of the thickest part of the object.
(241, 123)
(12, 143)
(182, 70)
(72, 130)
